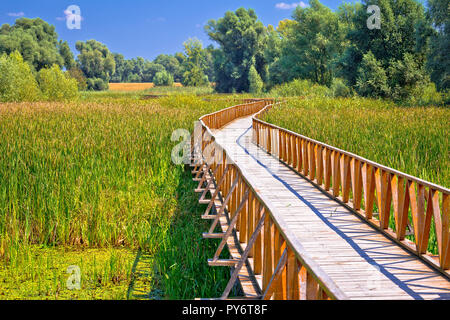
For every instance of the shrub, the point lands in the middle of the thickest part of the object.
(255, 82)
(97, 84)
(406, 78)
(163, 78)
(195, 77)
(78, 75)
(426, 95)
(17, 82)
(56, 86)
(300, 88)
(340, 89)
(372, 80)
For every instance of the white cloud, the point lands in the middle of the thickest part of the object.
(289, 6)
(16, 14)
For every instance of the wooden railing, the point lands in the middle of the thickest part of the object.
(274, 254)
(361, 184)
(220, 118)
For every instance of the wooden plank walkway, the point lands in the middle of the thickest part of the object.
(364, 263)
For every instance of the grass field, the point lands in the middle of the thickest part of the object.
(91, 184)
(88, 183)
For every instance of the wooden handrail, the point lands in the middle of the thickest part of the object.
(357, 182)
(220, 118)
(275, 251)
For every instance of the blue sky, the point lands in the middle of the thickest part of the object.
(144, 28)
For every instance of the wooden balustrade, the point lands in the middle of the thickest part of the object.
(375, 192)
(220, 118)
(277, 259)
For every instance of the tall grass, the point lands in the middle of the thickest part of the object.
(93, 174)
(414, 140)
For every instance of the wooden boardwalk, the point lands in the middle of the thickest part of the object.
(359, 260)
(364, 263)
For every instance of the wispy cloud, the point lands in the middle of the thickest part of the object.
(16, 14)
(289, 6)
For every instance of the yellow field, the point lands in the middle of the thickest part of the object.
(135, 86)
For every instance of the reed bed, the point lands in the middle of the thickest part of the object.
(97, 174)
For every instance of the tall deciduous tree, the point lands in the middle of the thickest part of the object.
(37, 42)
(439, 56)
(242, 38)
(309, 46)
(195, 63)
(393, 48)
(97, 63)
(318, 39)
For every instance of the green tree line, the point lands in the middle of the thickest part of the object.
(95, 66)
(406, 59)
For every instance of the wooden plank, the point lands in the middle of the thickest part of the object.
(274, 285)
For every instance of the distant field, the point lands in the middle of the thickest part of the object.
(135, 86)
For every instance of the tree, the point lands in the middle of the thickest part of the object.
(150, 71)
(171, 64)
(209, 62)
(372, 79)
(255, 82)
(439, 54)
(97, 63)
(277, 52)
(242, 38)
(386, 49)
(66, 54)
(118, 75)
(315, 40)
(37, 42)
(406, 78)
(194, 64)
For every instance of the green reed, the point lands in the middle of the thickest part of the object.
(96, 173)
